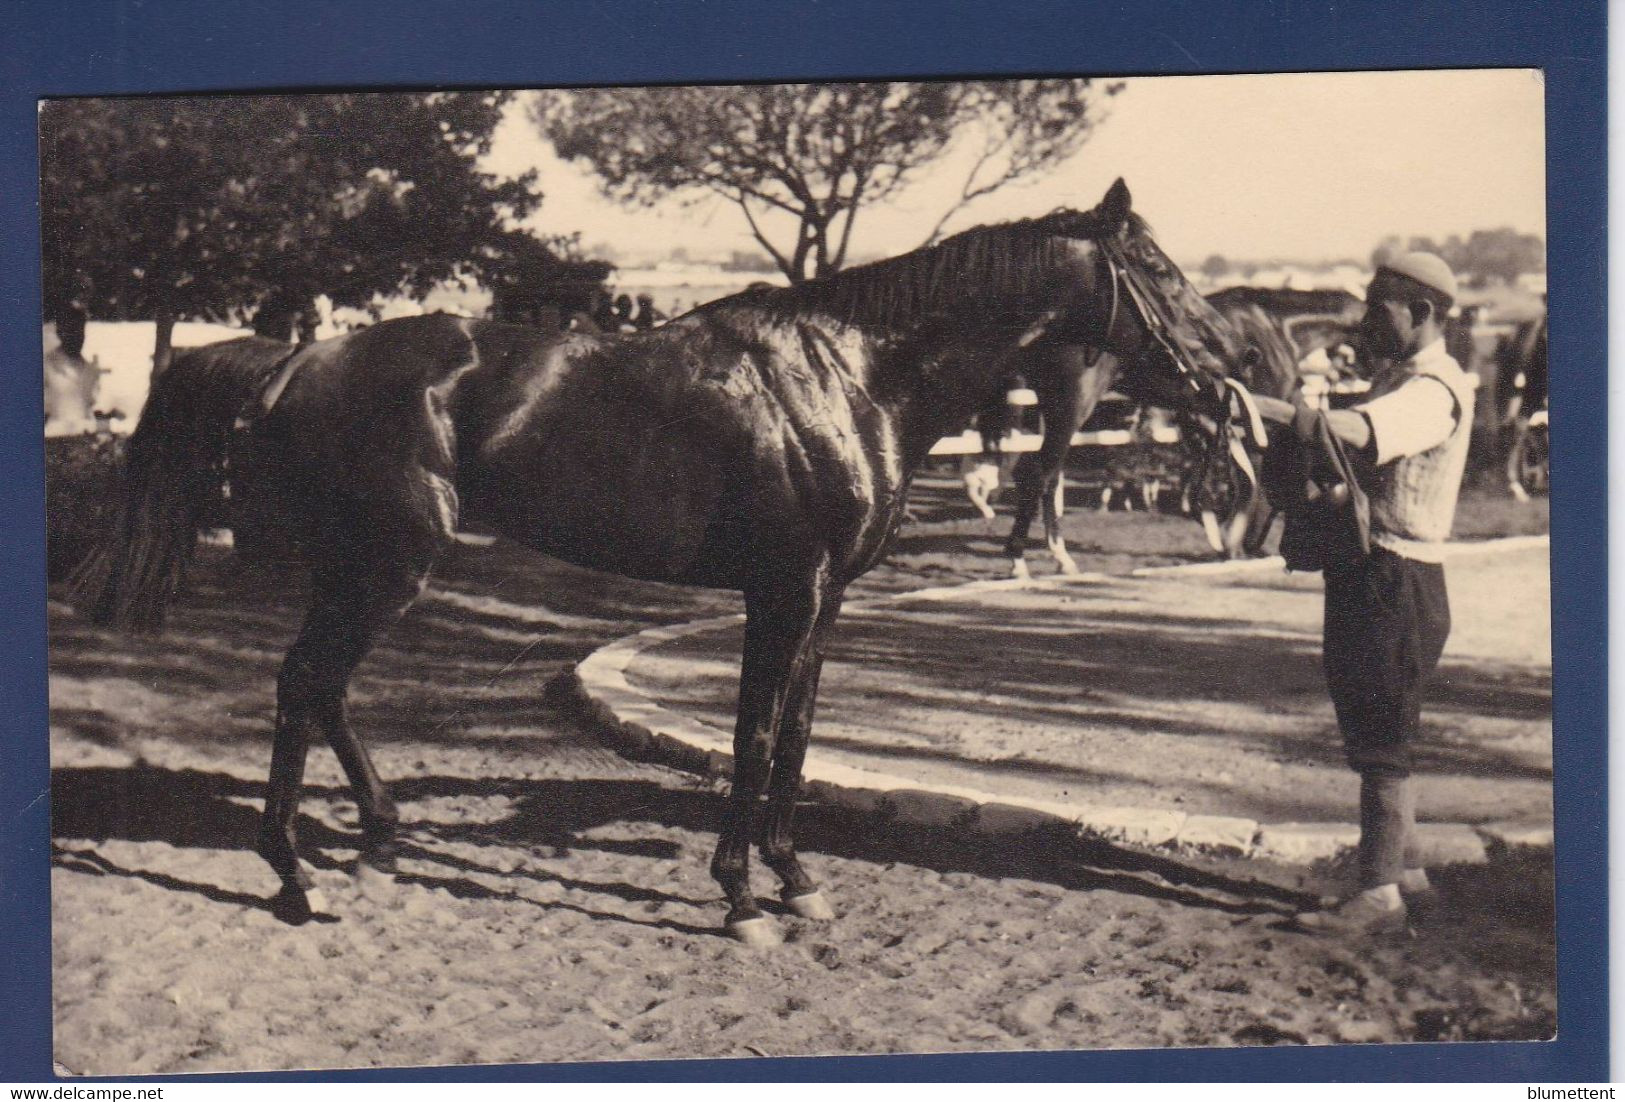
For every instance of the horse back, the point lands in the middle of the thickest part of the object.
(675, 454)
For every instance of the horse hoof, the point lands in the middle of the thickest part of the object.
(758, 932)
(812, 906)
(297, 906)
(1018, 569)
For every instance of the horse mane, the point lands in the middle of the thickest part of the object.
(1011, 260)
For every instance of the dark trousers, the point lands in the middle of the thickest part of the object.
(1387, 619)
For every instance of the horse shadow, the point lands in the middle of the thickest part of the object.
(200, 809)
(1092, 667)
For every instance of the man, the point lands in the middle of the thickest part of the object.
(70, 380)
(1387, 614)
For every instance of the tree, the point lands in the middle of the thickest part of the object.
(817, 152)
(1215, 267)
(1502, 253)
(534, 282)
(203, 207)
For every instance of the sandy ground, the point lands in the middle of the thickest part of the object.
(554, 903)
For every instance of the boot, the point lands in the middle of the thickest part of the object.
(1387, 820)
(1374, 911)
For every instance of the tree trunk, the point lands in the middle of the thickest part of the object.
(163, 349)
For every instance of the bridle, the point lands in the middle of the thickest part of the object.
(1220, 444)
(1124, 278)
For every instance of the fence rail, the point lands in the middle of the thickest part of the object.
(969, 442)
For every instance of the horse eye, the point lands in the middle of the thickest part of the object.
(1252, 357)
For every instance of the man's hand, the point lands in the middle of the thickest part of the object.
(1300, 417)
(1273, 409)
(1305, 422)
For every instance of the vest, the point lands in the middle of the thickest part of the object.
(1413, 498)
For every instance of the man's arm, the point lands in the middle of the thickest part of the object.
(1410, 420)
(1417, 416)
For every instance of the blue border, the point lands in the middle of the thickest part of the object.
(93, 46)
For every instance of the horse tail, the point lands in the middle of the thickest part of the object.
(173, 472)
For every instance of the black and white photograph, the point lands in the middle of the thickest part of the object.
(755, 570)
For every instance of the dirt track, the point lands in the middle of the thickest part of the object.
(555, 903)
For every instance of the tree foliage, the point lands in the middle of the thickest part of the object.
(201, 207)
(535, 282)
(817, 152)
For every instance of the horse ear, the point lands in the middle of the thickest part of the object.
(1115, 207)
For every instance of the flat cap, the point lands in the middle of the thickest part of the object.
(1423, 268)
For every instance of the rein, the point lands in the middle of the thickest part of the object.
(1151, 317)
(1220, 446)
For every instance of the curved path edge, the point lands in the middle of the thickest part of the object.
(641, 729)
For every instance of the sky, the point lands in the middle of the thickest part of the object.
(1313, 166)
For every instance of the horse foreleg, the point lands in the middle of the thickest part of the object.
(779, 620)
(1261, 518)
(798, 891)
(1514, 463)
(979, 498)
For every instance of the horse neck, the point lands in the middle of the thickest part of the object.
(942, 321)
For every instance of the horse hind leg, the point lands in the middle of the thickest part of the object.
(362, 589)
(310, 686)
(1029, 484)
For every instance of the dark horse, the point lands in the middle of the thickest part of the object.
(1521, 379)
(764, 443)
(1277, 329)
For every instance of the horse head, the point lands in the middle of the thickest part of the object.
(1174, 348)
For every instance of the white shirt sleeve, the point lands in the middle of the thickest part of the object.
(1409, 420)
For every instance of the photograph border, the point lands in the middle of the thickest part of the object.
(103, 48)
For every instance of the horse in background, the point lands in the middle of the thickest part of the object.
(1521, 389)
(764, 442)
(1277, 328)
(1001, 414)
